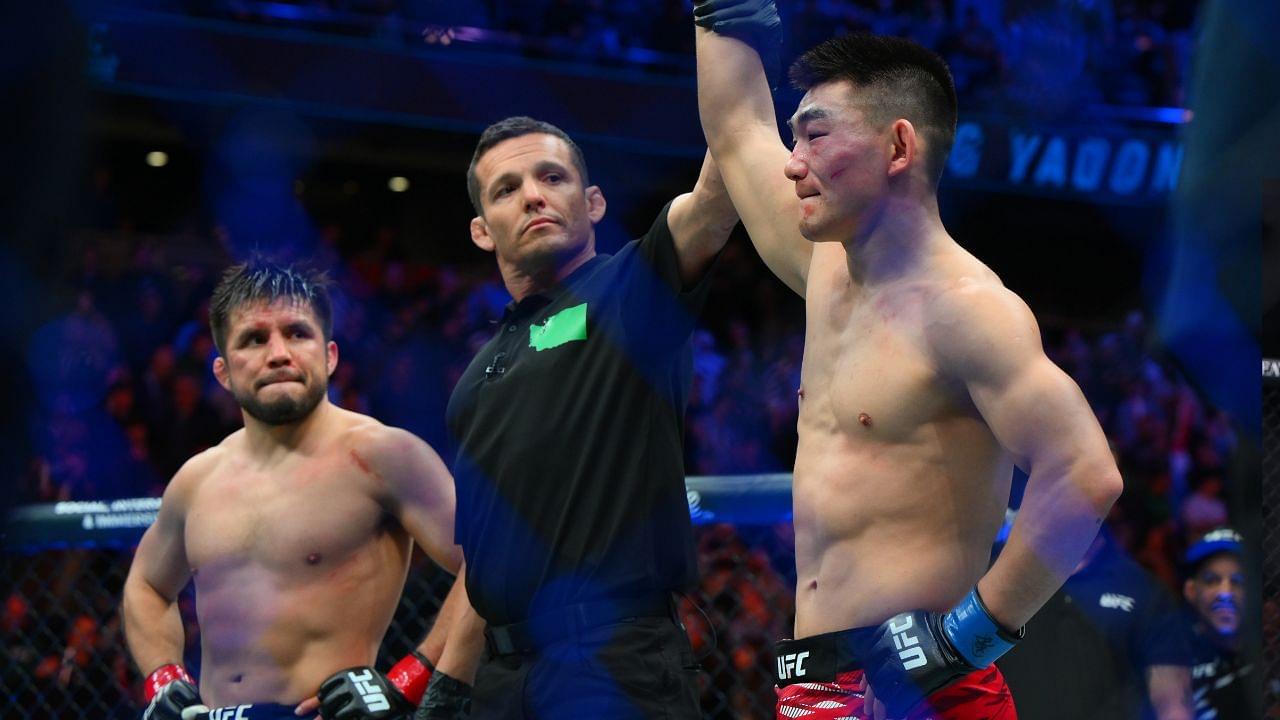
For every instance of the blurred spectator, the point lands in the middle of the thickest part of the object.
(1215, 591)
(974, 57)
(748, 606)
(1204, 509)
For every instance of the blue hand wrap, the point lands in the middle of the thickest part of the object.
(975, 634)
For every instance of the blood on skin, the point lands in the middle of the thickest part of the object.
(360, 462)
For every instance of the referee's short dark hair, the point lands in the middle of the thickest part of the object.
(512, 127)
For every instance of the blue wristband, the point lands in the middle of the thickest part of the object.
(975, 634)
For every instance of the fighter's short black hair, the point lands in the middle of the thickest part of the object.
(260, 280)
(900, 78)
(518, 126)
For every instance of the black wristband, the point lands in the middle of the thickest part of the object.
(447, 698)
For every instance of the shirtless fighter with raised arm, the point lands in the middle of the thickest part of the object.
(297, 531)
(924, 382)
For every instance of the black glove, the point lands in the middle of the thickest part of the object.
(446, 699)
(754, 22)
(362, 693)
(171, 699)
(915, 654)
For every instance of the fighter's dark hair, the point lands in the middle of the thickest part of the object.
(512, 127)
(260, 280)
(898, 79)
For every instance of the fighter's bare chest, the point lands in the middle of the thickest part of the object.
(306, 515)
(867, 371)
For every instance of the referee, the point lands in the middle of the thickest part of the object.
(572, 512)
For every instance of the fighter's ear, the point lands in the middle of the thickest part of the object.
(596, 204)
(904, 144)
(480, 234)
(221, 373)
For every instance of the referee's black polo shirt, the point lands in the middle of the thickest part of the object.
(569, 425)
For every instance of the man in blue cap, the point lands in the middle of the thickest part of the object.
(1215, 591)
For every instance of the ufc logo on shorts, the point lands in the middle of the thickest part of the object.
(229, 713)
(371, 694)
(908, 646)
(791, 665)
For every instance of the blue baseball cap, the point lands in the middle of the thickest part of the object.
(1215, 541)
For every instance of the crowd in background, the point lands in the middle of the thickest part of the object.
(1038, 54)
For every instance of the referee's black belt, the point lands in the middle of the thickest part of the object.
(566, 622)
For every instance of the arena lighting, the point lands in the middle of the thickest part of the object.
(157, 158)
(398, 184)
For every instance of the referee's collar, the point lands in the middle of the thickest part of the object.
(535, 301)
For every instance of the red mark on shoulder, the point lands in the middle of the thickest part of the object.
(865, 419)
(363, 464)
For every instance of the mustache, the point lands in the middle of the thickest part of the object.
(1224, 604)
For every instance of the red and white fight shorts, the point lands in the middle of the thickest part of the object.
(981, 695)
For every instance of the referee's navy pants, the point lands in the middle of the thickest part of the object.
(638, 668)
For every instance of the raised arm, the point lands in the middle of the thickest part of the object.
(989, 338)
(738, 120)
(700, 222)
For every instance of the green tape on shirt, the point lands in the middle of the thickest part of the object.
(565, 326)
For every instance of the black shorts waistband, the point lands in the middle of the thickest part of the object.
(817, 658)
(254, 711)
(545, 628)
